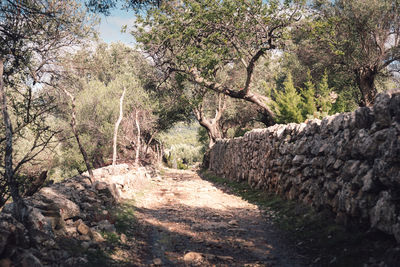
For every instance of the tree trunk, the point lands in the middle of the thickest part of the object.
(365, 78)
(75, 131)
(261, 101)
(211, 125)
(138, 138)
(149, 142)
(157, 151)
(213, 132)
(19, 207)
(36, 184)
(116, 128)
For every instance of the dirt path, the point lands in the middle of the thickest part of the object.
(191, 222)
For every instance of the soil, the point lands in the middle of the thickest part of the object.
(183, 220)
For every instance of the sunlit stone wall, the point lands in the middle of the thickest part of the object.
(348, 163)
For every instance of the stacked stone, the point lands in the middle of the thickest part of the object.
(348, 163)
(61, 217)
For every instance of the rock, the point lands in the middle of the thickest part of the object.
(233, 222)
(193, 257)
(70, 231)
(39, 222)
(85, 245)
(100, 186)
(298, 159)
(350, 168)
(110, 191)
(28, 260)
(105, 225)
(381, 110)
(66, 207)
(82, 228)
(383, 214)
(368, 182)
(79, 261)
(225, 258)
(52, 214)
(394, 107)
(344, 163)
(157, 262)
(123, 238)
(96, 236)
(84, 238)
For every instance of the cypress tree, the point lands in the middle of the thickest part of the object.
(309, 108)
(288, 103)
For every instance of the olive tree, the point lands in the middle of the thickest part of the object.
(360, 38)
(201, 38)
(33, 34)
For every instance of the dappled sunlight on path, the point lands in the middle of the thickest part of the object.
(193, 223)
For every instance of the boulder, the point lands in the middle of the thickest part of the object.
(58, 200)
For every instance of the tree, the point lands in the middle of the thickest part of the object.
(293, 104)
(104, 6)
(287, 104)
(73, 124)
(100, 76)
(325, 96)
(32, 36)
(212, 125)
(362, 38)
(201, 38)
(121, 114)
(140, 120)
(309, 105)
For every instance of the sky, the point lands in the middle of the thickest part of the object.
(110, 26)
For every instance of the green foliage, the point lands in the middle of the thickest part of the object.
(293, 105)
(34, 34)
(325, 98)
(345, 102)
(98, 88)
(288, 103)
(191, 29)
(181, 146)
(354, 41)
(309, 106)
(203, 139)
(111, 237)
(207, 38)
(124, 217)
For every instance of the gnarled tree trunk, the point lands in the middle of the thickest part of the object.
(365, 78)
(268, 115)
(211, 125)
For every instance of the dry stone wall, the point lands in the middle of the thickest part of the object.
(73, 212)
(348, 163)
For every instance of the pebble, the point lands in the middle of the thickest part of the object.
(82, 228)
(123, 239)
(157, 261)
(193, 257)
(233, 222)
